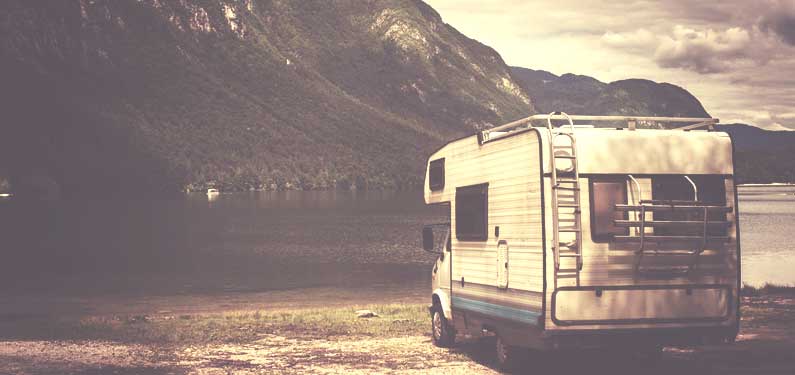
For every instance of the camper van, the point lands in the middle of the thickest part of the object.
(586, 232)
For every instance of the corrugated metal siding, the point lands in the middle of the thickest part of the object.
(511, 167)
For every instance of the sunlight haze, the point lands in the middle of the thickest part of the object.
(737, 57)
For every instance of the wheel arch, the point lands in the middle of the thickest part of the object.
(441, 298)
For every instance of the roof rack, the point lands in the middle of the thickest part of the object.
(690, 123)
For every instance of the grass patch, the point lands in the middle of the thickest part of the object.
(394, 320)
(238, 326)
(767, 289)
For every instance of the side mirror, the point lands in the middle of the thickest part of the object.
(427, 238)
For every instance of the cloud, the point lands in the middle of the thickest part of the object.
(765, 119)
(736, 56)
(707, 51)
(638, 40)
(776, 127)
(784, 118)
(780, 19)
(704, 51)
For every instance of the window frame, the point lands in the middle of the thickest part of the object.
(468, 191)
(702, 181)
(605, 238)
(433, 166)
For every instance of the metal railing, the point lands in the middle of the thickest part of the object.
(690, 123)
(694, 234)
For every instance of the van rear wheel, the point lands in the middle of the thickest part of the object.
(443, 334)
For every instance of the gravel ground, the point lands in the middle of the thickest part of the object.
(765, 346)
(270, 354)
(84, 357)
(752, 354)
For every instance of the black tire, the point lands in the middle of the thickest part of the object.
(507, 356)
(441, 332)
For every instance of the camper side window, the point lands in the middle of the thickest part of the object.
(471, 212)
(436, 174)
(606, 192)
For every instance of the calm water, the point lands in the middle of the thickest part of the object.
(237, 242)
(267, 241)
(767, 227)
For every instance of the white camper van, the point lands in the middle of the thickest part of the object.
(578, 236)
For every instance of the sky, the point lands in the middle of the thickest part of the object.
(736, 56)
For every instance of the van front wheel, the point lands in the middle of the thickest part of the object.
(443, 335)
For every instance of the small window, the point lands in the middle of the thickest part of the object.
(436, 174)
(711, 191)
(672, 188)
(471, 212)
(606, 193)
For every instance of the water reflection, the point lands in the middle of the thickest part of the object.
(767, 220)
(249, 241)
(275, 240)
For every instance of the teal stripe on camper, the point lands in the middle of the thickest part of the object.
(500, 311)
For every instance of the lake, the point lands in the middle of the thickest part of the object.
(263, 241)
(767, 223)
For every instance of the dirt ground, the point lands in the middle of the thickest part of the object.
(765, 346)
(357, 355)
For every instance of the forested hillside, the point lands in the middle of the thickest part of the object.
(163, 96)
(586, 95)
(106, 96)
(762, 156)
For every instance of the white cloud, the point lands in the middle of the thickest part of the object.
(732, 55)
(779, 119)
(706, 51)
(777, 127)
(638, 40)
(765, 119)
(703, 51)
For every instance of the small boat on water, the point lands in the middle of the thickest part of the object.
(213, 192)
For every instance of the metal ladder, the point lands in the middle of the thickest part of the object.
(566, 210)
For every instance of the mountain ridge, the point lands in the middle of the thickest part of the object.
(762, 156)
(156, 96)
(583, 94)
(165, 96)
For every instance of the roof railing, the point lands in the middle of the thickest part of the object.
(690, 123)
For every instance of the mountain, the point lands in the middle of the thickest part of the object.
(751, 138)
(761, 156)
(150, 96)
(580, 94)
(155, 95)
